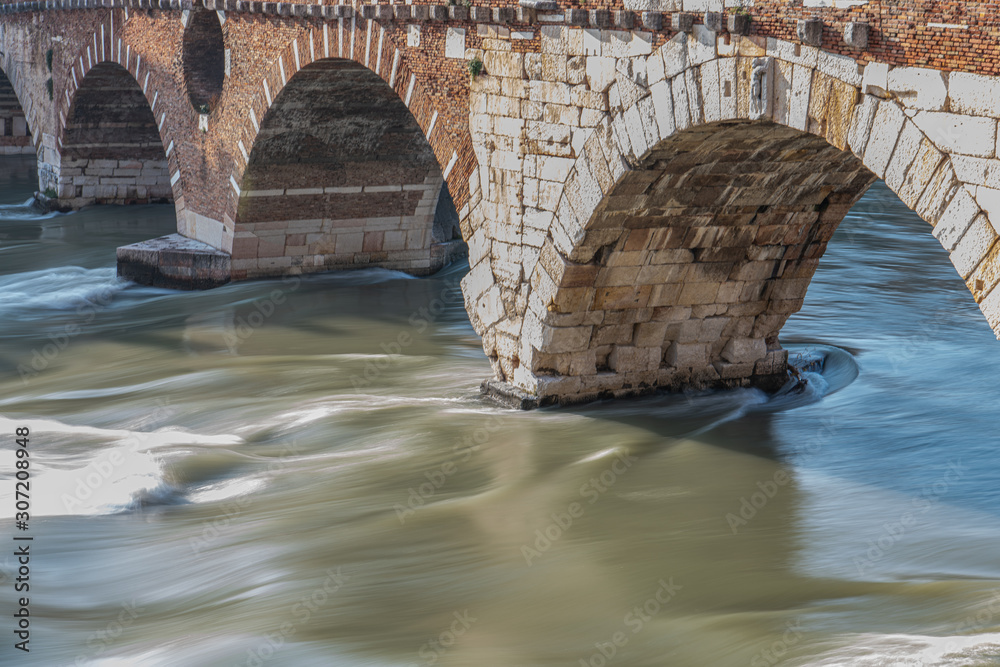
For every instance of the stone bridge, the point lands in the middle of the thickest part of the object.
(645, 190)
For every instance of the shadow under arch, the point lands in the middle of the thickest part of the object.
(15, 133)
(340, 175)
(112, 152)
(691, 262)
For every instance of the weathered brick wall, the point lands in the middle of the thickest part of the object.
(340, 176)
(111, 151)
(14, 135)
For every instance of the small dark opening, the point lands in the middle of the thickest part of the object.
(204, 60)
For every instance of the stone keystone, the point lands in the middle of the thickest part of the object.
(503, 14)
(810, 31)
(652, 20)
(577, 16)
(856, 35)
(713, 21)
(683, 22)
(600, 18)
(624, 19)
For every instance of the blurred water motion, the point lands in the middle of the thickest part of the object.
(231, 478)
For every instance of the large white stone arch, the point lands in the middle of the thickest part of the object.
(540, 323)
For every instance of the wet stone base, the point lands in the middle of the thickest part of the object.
(443, 254)
(174, 262)
(514, 397)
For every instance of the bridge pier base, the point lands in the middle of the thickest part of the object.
(768, 373)
(174, 262)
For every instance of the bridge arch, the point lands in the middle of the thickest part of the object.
(691, 220)
(15, 129)
(111, 151)
(344, 168)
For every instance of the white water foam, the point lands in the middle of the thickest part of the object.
(903, 650)
(115, 479)
(25, 211)
(64, 288)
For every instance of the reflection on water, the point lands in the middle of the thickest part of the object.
(301, 472)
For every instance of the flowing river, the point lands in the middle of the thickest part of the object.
(302, 472)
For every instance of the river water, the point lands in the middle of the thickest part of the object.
(302, 472)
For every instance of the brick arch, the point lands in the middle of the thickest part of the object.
(13, 137)
(318, 57)
(691, 222)
(152, 173)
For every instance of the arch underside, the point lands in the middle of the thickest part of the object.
(15, 135)
(340, 176)
(111, 149)
(689, 266)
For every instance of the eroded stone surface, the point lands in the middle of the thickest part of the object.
(174, 262)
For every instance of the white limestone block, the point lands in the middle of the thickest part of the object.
(885, 131)
(876, 79)
(798, 104)
(663, 107)
(918, 87)
(454, 46)
(973, 246)
(701, 45)
(955, 133)
(674, 55)
(989, 201)
(783, 50)
(840, 67)
(957, 218)
(974, 94)
(601, 73)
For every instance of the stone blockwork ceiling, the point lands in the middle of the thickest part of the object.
(340, 175)
(15, 137)
(110, 118)
(336, 125)
(694, 260)
(111, 150)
